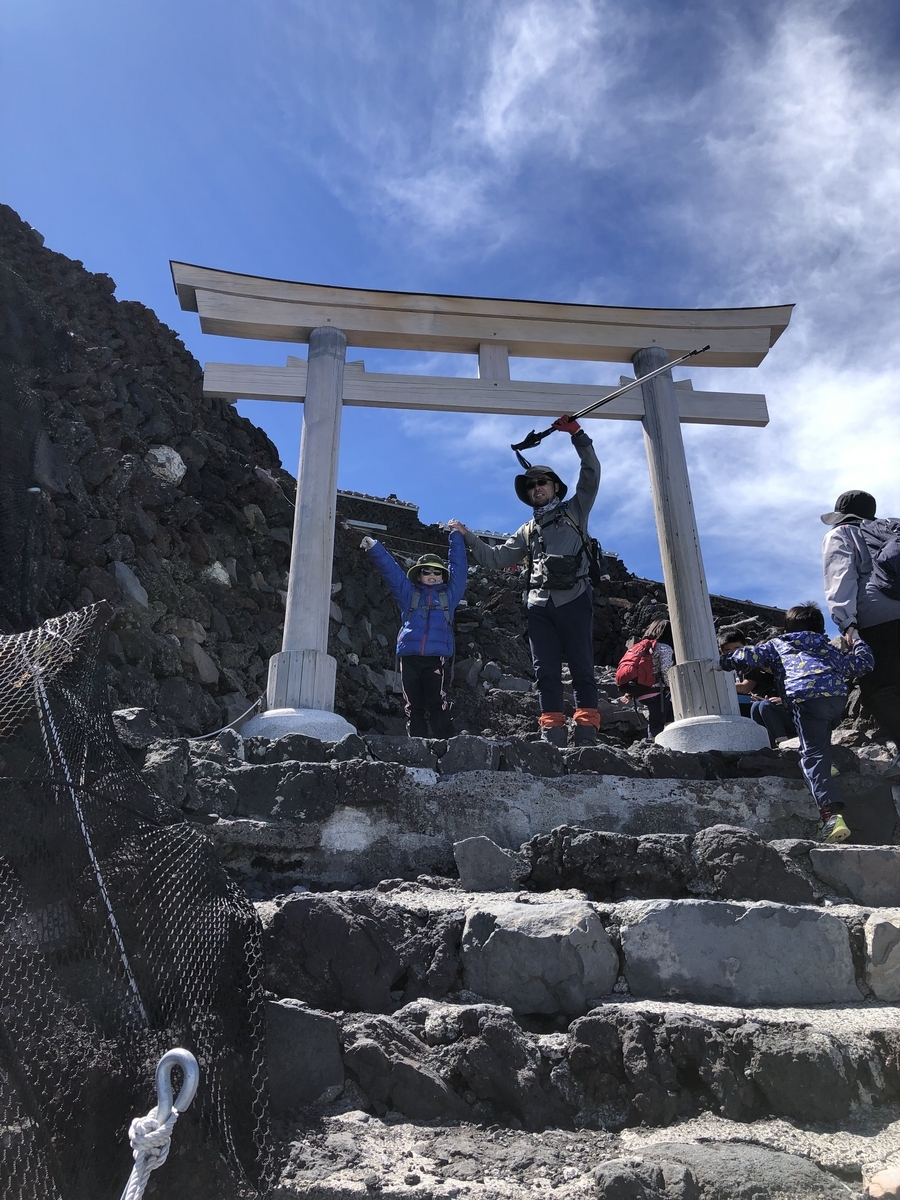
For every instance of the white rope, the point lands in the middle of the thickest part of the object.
(150, 1143)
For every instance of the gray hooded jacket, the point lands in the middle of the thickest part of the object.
(559, 535)
(852, 597)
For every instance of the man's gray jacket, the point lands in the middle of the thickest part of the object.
(558, 534)
(853, 598)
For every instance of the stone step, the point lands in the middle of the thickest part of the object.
(368, 821)
(559, 955)
(624, 1063)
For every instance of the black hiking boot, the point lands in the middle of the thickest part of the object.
(556, 735)
(585, 735)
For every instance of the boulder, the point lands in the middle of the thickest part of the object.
(537, 758)
(389, 1064)
(358, 952)
(538, 958)
(802, 1074)
(466, 752)
(136, 727)
(295, 747)
(884, 1185)
(719, 953)
(882, 934)
(410, 752)
(304, 1056)
(867, 874)
(351, 745)
(706, 1171)
(736, 864)
(603, 760)
(484, 867)
(165, 769)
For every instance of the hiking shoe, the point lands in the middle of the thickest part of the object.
(584, 735)
(833, 830)
(556, 735)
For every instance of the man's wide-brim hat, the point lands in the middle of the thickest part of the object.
(851, 504)
(537, 473)
(428, 560)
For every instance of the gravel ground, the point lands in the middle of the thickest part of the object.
(356, 1155)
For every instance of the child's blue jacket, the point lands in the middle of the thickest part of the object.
(426, 629)
(805, 664)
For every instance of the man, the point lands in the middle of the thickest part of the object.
(757, 692)
(560, 600)
(856, 603)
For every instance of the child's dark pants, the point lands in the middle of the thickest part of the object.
(563, 634)
(424, 682)
(815, 718)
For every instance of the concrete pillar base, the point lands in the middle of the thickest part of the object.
(301, 679)
(314, 722)
(731, 734)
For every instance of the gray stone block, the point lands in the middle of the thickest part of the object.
(512, 683)
(484, 867)
(882, 932)
(470, 753)
(868, 874)
(539, 958)
(721, 953)
(304, 1056)
(410, 752)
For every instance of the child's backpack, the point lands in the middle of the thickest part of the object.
(635, 674)
(882, 540)
(443, 601)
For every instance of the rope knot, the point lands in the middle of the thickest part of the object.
(150, 1142)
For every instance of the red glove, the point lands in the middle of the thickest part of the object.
(566, 425)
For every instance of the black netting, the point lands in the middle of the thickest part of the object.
(120, 937)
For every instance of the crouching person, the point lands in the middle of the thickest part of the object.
(814, 677)
(428, 594)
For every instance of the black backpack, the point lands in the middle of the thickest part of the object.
(589, 546)
(882, 540)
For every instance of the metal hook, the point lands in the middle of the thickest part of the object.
(191, 1071)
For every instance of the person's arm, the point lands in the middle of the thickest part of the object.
(763, 655)
(840, 562)
(459, 568)
(861, 656)
(394, 575)
(589, 475)
(513, 550)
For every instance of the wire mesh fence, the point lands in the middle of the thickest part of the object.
(120, 937)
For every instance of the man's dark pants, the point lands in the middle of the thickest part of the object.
(558, 635)
(815, 718)
(424, 688)
(880, 690)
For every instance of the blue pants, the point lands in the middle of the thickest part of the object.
(815, 718)
(564, 634)
(775, 718)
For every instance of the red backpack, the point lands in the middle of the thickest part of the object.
(635, 674)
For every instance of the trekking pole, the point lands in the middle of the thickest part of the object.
(535, 439)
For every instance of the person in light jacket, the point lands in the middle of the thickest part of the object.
(856, 604)
(560, 602)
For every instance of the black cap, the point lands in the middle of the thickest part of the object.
(536, 473)
(851, 504)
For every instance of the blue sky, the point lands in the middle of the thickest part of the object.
(642, 152)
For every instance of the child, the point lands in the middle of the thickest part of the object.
(428, 594)
(814, 678)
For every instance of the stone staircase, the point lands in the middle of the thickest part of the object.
(497, 971)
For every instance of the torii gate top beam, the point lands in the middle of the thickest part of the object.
(278, 310)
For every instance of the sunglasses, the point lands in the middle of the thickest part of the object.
(431, 571)
(533, 483)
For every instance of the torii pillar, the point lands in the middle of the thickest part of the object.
(302, 676)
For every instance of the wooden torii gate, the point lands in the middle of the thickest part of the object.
(302, 677)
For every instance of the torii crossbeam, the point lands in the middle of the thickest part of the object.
(302, 676)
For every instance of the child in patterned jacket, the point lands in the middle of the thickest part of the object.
(814, 678)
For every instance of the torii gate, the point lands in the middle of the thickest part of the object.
(300, 693)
